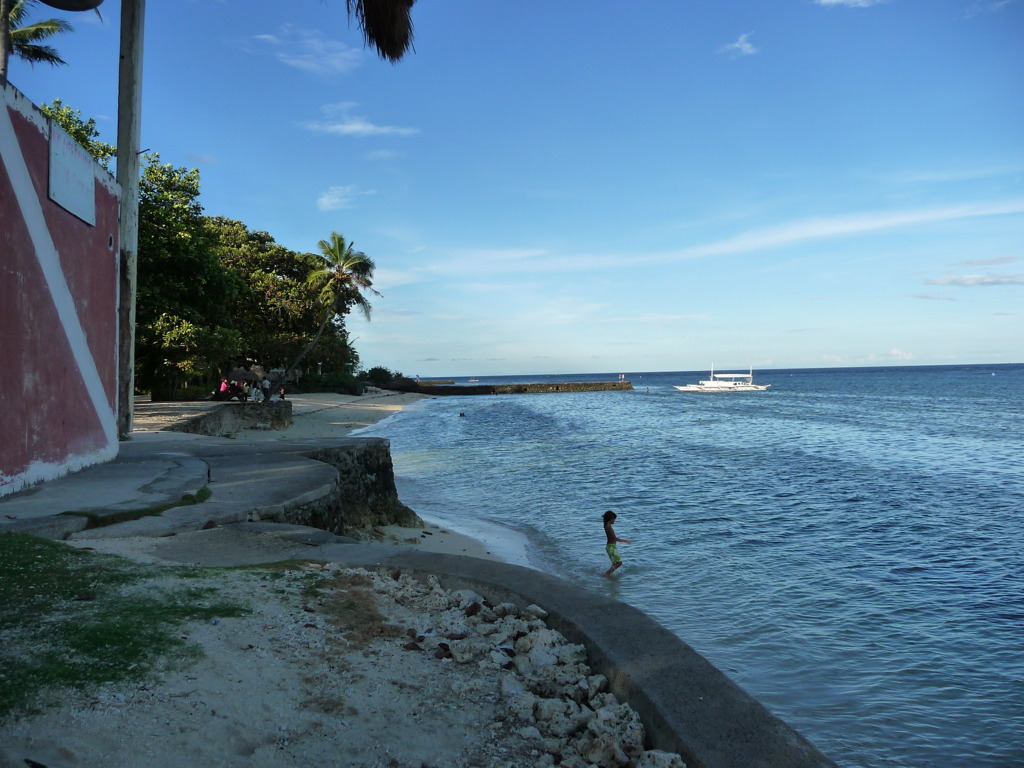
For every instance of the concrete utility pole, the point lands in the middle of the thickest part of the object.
(5, 35)
(129, 125)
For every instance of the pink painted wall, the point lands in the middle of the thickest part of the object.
(58, 311)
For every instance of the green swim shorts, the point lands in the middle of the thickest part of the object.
(613, 553)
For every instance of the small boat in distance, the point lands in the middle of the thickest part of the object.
(725, 382)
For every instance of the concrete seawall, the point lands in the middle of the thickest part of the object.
(228, 418)
(365, 494)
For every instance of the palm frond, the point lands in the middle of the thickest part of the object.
(38, 54)
(41, 30)
(17, 12)
(386, 25)
(24, 39)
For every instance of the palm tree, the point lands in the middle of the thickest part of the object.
(386, 25)
(341, 283)
(24, 41)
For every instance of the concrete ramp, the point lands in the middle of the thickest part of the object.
(243, 488)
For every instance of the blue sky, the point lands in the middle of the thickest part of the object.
(597, 185)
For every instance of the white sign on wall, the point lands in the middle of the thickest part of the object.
(72, 176)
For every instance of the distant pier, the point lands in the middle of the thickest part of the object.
(428, 388)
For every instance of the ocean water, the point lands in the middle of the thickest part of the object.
(846, 546)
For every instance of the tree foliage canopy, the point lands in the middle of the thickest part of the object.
(81, 130)
(183, 326)
(214, 295)
(277, 308)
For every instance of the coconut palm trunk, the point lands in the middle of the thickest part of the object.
(308, 348)
(5, 35)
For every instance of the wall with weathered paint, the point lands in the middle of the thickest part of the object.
(58, 301)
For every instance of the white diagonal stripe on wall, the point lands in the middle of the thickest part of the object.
(49, 261)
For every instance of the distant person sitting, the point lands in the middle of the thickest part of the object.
(226, 391)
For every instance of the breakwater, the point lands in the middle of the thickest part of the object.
(510, 389)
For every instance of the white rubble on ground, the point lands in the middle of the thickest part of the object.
(333, 666)
(550, 697)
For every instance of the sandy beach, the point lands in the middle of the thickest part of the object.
(336, 667)
(332, 415)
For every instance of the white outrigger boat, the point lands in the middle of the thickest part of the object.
(725, 382)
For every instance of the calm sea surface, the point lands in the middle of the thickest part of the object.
(846, 546)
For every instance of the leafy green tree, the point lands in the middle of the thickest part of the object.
(380, 376)
(277, 308)
(342, 281)
(23, 40)
(272, 304)
(184, 292)
(189, 350)
(213, 294)
(81, 130)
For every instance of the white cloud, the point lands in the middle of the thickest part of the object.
(839, 226)
(931, 297)
(485, 261)
(986, 262)
(788, 234)
(653, 318)
(850, 3)
(341, 122)
(338, 197)
(392, 278)
(506, 255)
(974, 281)
(311, 52)
(566, 311)
(988, 6)
(953, 174)
(892, 354)
(742, 47)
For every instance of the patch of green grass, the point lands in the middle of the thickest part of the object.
(70, 618)
(312, 582)
(101, 521)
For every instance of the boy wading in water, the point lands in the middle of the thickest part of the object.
(610, 547)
